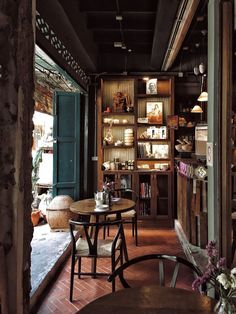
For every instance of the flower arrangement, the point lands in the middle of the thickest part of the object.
(108, 186)
(217, 276)
(108, 189)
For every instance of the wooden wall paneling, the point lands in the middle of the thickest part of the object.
(99, 136)
(188, 194)
(184, 208)
(198, 198)
(179, 199)
(193, 238)
(203, 230)
(227, 26)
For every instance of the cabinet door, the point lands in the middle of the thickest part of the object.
(145, 195)
(122, 180)
(164, 197)
(66, 147)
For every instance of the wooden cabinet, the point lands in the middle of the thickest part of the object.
(192, 208)
(135, 147)
(186, 94)
(155, 201)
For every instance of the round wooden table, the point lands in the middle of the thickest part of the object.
(87, 207)
(151, 300)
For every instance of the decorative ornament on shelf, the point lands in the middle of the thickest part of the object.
(218, 277)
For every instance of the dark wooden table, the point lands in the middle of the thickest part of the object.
(87, 207)
(151, 300)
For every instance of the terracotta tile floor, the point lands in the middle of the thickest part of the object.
(86, 289)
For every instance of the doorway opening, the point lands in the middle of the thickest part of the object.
(49, 248)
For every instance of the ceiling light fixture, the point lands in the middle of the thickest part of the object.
(145, 78)
(129, 50)
(117, 44)
(203, 96)
(196, 109)
(119, 17)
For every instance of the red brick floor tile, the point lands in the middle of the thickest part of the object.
(86, 289)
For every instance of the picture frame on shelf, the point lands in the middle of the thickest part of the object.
(160, 150)
(154, 132)
(154, 112)
(151, 86)
(172, 122)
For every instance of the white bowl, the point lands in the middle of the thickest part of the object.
(102, 207)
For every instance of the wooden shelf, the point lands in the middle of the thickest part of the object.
(150, 124)
(118, 171)
(153, 95)
(154, 159)
(105, 114)
(112, 125)
(186, 127)
(118, 147)
(135, 87)
(152, 140)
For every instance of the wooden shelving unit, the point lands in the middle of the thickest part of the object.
(153, 168)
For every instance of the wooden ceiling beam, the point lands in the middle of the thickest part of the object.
(179, 31)
(162, 30)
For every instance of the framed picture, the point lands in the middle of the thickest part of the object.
(172, 122)
(160, 150)
(151, 86)
(154, 112)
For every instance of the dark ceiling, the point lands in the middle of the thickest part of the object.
(89, 29)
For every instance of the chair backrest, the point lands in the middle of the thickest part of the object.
(161, 260)
(91, 230)
(126, 193)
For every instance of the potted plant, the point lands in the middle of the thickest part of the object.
(35, 214)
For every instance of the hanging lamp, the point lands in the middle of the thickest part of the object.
(196, 109)
(204, 95)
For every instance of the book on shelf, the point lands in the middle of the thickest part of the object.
(145, 190)
(144, 209)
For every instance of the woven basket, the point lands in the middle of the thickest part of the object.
(58, 213)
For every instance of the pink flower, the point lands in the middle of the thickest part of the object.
(216, 275)
(211, 249)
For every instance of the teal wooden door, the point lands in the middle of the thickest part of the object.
(66, 146)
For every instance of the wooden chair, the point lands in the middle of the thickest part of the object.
(129, 216)
(161, 260)
(90, 245)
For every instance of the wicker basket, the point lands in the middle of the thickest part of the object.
(58, 213)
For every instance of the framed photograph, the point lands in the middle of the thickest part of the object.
(154, 112)
(154, 132)
(151, 86)
(160, 150)
(172, 122)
